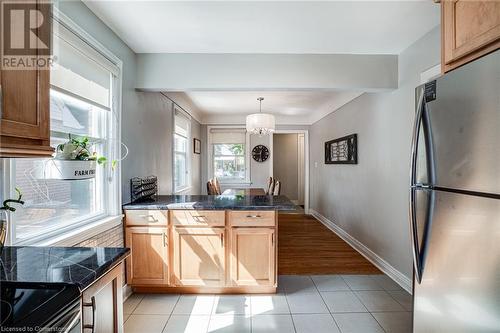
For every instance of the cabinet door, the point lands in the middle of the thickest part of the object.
(102, 310)
(148, 262)
(253, 257)
(471, 29)
(198, 256)
(25, 116)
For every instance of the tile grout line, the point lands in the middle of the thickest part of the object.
(327, 307)
(356, 295)
(170, 315)
(211, 312)
(367, 310)
(394, 298)
(290, 311)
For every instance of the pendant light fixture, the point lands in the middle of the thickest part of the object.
(260, 123)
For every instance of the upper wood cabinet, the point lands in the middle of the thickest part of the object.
(470, 29)
(148, 263)
(198, 256)
(25, 116)
(253, 256)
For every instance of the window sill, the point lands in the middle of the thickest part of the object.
(183, 190)
(82, 233)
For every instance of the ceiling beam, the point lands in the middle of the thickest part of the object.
(192, 72)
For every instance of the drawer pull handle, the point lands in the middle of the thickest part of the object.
(165, 240)
(254, 216)
(91, 304)
(150, 218)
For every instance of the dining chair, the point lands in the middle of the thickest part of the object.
(269, 183)
(277, 188)
(210, 188)
(216, 184)
(270, 188)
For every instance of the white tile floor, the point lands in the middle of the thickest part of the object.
(303, 304)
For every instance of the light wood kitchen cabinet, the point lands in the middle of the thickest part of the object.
(246, 218)
(470, 29)
(198, 256)
(198, 218)
(148, 263)
(25, 116)
(146, 217)
(253, 256)
(102, 310)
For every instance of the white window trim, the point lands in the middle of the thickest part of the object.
(85, 229)
(210, 171)
(187, 188)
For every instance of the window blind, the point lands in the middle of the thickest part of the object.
(182, 122)
(228, 135)
(80, 70)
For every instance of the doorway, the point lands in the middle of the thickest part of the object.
(290, 155)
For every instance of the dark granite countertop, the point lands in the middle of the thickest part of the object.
(79, 266)
(216, 202)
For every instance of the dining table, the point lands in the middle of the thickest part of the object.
(244, 191)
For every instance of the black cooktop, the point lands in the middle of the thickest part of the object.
(27, 305)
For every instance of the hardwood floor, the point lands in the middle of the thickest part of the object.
(305, 246)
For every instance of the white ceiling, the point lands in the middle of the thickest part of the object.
(289, 107)
(350, 27)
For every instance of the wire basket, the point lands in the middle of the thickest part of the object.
(143, 188)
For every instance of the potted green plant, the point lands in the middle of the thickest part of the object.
(4, 215)
(73, 160)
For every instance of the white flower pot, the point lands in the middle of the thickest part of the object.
(65, 169)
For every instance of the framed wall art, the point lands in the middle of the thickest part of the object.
(197, 146)
(342, 150)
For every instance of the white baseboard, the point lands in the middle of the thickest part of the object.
(126, 291)
(376, 260)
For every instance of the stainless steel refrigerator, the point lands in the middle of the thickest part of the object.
(455, 201)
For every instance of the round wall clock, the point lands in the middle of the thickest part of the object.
(260, 153)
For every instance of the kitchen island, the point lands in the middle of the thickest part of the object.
(204, 244)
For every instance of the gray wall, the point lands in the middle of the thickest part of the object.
(259, 171)
(146, 117)
(150, 137)
(286, 163)
(370, 200)
(196, 159)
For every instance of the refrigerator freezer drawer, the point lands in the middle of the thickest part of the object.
(460, 287)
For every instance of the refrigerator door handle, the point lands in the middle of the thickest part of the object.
(414, 235)
(413, 194)
(415, 136)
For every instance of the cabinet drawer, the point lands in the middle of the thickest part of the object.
(200, 218)
(252, 218)
(146, 218)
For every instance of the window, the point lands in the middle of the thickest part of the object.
(182, 128)
(229, 161)
(83, 87)
(229, 156)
